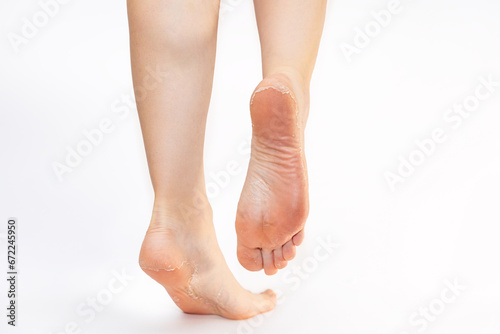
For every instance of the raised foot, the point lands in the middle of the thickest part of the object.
(185, 259)
(274, 203)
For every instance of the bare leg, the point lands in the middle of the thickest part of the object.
(274, 203)
(173, 52)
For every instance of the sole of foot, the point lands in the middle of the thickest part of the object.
(274, 203)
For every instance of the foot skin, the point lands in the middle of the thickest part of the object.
(274, 203)
(181, 253)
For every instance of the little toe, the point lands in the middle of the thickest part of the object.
(250, 258)
(289, 250)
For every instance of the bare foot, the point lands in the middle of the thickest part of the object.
(274, 203)
(180, 252)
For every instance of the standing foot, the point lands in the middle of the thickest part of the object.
(180, 252)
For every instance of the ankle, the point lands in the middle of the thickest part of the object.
(298, 80)
(193, 206)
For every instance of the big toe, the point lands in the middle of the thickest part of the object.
(255, 303)
(264, 302)
(249, 258)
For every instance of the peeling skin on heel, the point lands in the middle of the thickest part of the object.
(168, 268)
(192, 282)
(279, 87)
(283, 89)
(177, 301)
(192, 285)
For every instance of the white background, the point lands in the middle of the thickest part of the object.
(395, 249)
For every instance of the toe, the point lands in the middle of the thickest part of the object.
(250, 258)
(265, 301)
(298, 238)
(289, 250)
(268, 261)
(247, 304)
(279, 261)
(257, 303)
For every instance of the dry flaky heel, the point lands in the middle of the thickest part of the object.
(184, 257)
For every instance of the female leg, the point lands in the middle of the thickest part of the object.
(173, 52)
(274, 203)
